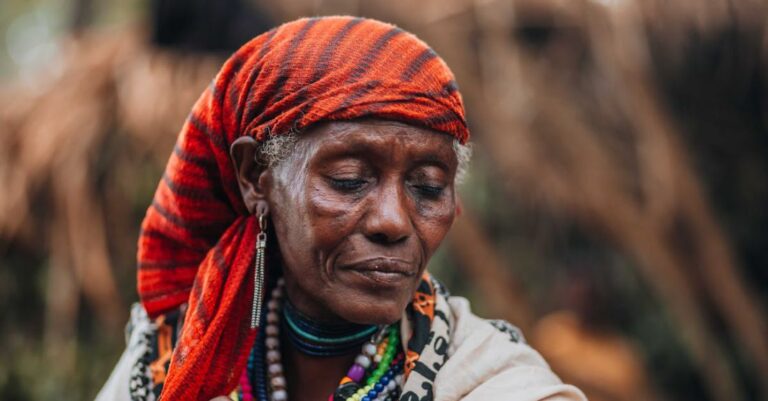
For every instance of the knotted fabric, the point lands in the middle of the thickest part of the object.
(197, 243)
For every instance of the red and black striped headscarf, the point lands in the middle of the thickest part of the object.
(197, 243)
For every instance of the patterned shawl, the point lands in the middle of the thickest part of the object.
(197, 243)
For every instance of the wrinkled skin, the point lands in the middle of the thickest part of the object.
(356, 221)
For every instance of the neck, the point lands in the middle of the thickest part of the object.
(312, 378)
(317, 353)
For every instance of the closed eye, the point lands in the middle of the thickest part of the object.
(429, 191)
(347, 185)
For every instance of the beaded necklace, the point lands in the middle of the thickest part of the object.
(376, 374)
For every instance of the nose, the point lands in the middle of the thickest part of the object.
(387, 220)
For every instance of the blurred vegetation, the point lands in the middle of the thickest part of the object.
(615, 207)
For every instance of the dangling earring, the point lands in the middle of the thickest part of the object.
(258, 275)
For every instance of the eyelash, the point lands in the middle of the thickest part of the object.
(429, 191)
(347, 185)
(353, 185)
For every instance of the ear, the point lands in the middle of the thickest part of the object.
(253, 178)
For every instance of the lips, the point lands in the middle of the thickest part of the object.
(383, 271)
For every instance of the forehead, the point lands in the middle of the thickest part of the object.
(379, 136)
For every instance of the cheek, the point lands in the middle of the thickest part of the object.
(288, 215)
(433, 221)
(332, 216)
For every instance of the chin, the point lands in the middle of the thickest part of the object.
(372, 310)
(371, 297)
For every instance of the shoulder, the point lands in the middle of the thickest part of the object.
(490, 360)
(141, 370)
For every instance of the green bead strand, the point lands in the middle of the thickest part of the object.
(381, 368)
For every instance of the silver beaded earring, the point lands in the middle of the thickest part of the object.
(258, 275)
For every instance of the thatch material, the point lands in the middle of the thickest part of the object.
(66, 145)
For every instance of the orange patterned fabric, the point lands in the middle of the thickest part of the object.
(421, 313)
(197, 243)
(164, 351)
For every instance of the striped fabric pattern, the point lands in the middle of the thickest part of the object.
(197, 243)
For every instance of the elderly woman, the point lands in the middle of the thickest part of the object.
(284, 254)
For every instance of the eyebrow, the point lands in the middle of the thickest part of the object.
(433, 160)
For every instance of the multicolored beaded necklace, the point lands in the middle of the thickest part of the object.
(376, 374)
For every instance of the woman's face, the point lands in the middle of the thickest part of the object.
(360, 215)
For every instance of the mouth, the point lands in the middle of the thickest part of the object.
(383, 271)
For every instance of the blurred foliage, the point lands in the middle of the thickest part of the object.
(619, 172)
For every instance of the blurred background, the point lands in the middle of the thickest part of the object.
(615, 210)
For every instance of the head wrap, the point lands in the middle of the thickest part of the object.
(197, 243)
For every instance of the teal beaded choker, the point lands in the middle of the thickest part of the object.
(322, 339)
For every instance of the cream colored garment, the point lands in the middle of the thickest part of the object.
(117, 387)
(484, 364)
